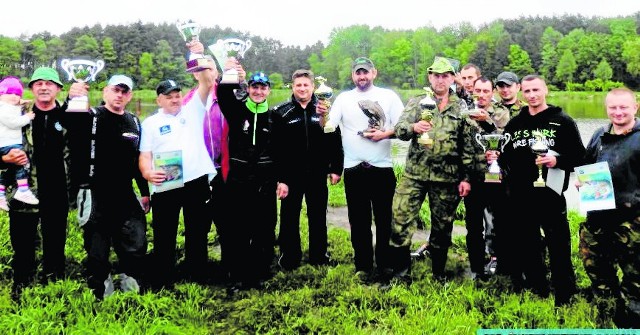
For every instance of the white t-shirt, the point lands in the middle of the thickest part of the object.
(163, 132)
(346, 113)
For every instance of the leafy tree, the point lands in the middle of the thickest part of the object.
(603, 71)
(549, 53)
(56, 50)
(148, 78)
(109, 56)
(519, 61)
(10, 52)
(631, 55)
(566, 67)
(86, 46)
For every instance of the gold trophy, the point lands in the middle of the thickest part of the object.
(428, 104)
(492, 142)
(230, 47)
(190, 32)
(540, 148)
(81, 71)
(324, 93)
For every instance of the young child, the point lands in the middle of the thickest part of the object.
(11, 122)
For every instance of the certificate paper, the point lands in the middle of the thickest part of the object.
(171, 163)
(596, 192)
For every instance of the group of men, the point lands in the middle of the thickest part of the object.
(237, 150)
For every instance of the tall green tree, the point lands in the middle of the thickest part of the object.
(519, 61)
(631, 55)
(10, 54)
(109, 56)
(604, 71)
(549, 54)
(566, 68)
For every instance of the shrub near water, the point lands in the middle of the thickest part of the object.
(309, 300)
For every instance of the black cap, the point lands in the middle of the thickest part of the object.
(167, 86)
(508, 78)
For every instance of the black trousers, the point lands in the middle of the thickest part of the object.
(221, 213)
(121, 224)
(483, 196)
(250, 235)
(369, 192)
(313, 187)
(23, 231)
(192, 199)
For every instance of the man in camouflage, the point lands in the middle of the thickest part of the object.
(439, 170)
(508, 86)
(486, 194)
(609, 238)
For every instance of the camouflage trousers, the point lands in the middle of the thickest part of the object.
(606, 243)
(407, 201)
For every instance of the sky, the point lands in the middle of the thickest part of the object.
(292, 22)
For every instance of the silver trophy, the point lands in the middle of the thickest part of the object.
(190, 32)
(428, 104)
(540, 148)
(492, 142)
(324, 93)
(80, 71)
(230, 47)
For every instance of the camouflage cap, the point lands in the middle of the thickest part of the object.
(441, 65)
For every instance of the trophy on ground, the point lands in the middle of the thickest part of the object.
(375, 113)
(540, 148)
(190, 32)
(493, 142)
(428, 104)
(324, 93)
(81, 71)
(230, 47)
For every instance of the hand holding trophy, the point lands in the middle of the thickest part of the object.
(190, 32)
(324, 93)
(492, 142)
(540, 148)
(231, 47)
(81, 71)
(428, 104)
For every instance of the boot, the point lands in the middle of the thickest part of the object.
(438, 262)
(401, 259)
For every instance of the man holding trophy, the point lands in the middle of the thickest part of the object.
(440, 171)
(482, 205)
(369, 180)
(544, 207)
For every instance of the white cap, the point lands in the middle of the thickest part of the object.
(119, 79)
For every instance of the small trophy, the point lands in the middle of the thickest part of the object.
(190, 32)
(492, 142)
(374, 112)
(428, 105)
(231, 47)
(324, 94)
(81, 71)
(540, 148)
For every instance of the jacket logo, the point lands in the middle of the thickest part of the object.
(165, 129)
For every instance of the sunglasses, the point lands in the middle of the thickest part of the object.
(260, 78)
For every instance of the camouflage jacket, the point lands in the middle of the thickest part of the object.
(451, 155)
(46, 144)
(513, 109)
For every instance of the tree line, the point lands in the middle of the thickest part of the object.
(572, 52)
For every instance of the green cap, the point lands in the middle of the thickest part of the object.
(45, 73)
(441, 65)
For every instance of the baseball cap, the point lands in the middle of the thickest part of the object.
(11, 85)
(441, 65)
(302, 73)
(167, 86)
(259, 78)
(45, 73)
(362, 63)
(120, 80)
(508, 78)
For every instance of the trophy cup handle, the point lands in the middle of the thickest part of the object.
(479, 140)
(507, 138)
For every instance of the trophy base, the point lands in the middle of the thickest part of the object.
(492, 177)
(425, 141)
(78, 105)
(539, 183)
(230, 78)
(329, 129)
(197, 65)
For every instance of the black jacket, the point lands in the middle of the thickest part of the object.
(562, 136)
(301, 147)
(622, 152)
(249, 136)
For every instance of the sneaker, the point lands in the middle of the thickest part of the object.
(422, 252)
(4, 205)
(108, 287)
(27, 197)
(491, 267)
(128, 283)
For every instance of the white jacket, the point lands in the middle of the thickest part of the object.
(11, 122)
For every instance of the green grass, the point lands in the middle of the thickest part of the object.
(309, 300)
